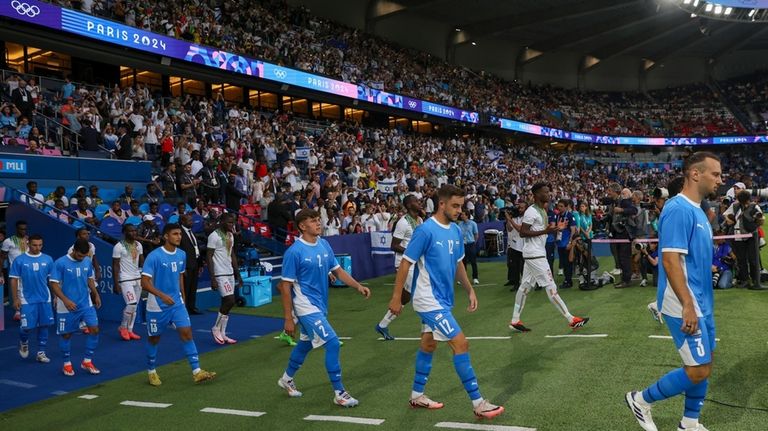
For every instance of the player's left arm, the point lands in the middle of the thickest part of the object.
(181, 287)
(461, 274)
(350, 281)
(95, 297)
(236, 270)
(96, 267)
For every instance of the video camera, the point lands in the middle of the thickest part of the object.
(660, 193)
(512, 211)
(761, 193)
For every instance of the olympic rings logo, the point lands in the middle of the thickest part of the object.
(280, 74)
(25, 8)
(412, 104)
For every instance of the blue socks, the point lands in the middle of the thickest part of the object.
(42, 338)
(423, 367)
(191, 351)
(674, 383)
(694, 400)
(332, 365)
(24, 335)
(90, 345)
(151, 355)
(467, 375)
(298, 354)
(66, 348)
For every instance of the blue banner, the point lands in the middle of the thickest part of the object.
(13, 166)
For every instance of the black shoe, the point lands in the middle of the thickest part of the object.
(509, 283)
(537, 288)
(514, 288)
(620, 285)
(757, 287)
(195, 311)
(566, 286)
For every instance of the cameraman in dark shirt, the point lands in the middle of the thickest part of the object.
(622, 212)
(745, 217)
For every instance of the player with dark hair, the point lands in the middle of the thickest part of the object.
(304, 291)
(163, 278)
(127, 260)
(400, 238)
(685, 295)
(436, 251)
(225, 275)
(73, 282)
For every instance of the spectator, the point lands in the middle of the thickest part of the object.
(8, 115)
(722, 263)
(148, 234)
(470, 235)
(84, 213)
(32, 197)
(134, 211)
(745, 217)
(234, 194)
(58, 193)
(116, 212)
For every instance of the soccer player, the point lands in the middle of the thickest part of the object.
(536, 270)
(84, 233)
(162, 277)
(31, 296)
(127, 259)
(222, 264)
(304, 290)
(437, 251)
(73, 282)
(13, 247)
(685, 296)
(400, 239)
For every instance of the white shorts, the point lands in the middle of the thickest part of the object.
(537, 272)
(131, 291)
(226, 284)
(408, 279)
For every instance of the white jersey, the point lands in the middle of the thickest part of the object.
(129, 255)
(222, 246)
(404, 231)
(514, 240)
(91, 249)
(535, 246)
(15, 247)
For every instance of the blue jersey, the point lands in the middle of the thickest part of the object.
(306, 266)
(32, 273)
(685, 229)
(551, 219)
(564, 237)
(435, 249)
(468, 231)
(164, 268)
(72, 276)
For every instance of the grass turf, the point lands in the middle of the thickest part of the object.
(545, 383)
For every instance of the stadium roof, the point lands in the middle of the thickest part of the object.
(508, 36)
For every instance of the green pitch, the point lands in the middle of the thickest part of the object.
(550, 384)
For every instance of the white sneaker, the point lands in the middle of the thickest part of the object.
(476, 281)
(486, 410)
(642, 411)
(24, 350)
(698, 427)
(653, 309)
(560, 272)
(218, 337)
(643, 283)
(42, 358)
(290, 387)
(616, 271)
(345, 400)
(423, 402)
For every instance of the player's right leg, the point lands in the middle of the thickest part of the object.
(91, 341)
(226, 288)
(526, 283)
(298, 355)
(423, 367)
(180, 318)
(389, 317)
(131, 291)
(27, 322)
(44, 319)
(542, 275)
(68, 322)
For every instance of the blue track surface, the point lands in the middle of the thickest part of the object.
(26, 381)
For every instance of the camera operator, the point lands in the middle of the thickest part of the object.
(722, 264)
(641, 224)
(649, 253)
(622, 212)
(746, 217)
(514, 222)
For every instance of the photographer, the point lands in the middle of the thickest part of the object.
(514, 221)
(745, 217)
(641, 225)
(622, 212)
(722, 264)
(649, 254)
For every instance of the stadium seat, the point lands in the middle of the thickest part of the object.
(134, 220)
(144, 208)
(111, 227)
(101, 211)
(173, 219)
(198, 223)
(165, 210)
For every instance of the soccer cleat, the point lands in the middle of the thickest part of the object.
(518, 327)
(86, 331)
(42, 358)
(642, 411)
(154, 379)
(578, 322)
(24, 350)
(653, 309)
(68, 370)
(422, 402)
(345, 400)
(17, 316)
(384, 332)
(290, 387)
(229, 340)
(486, 410)
(134, 336)
(202, 376)
(286, 338)
(616, 271)
(88, 366)
(475, 281)
(217, 336)
(698, 427)
(124, 334)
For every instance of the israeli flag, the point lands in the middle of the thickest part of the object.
(386, 187)
(302, 153)
(380, 242)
